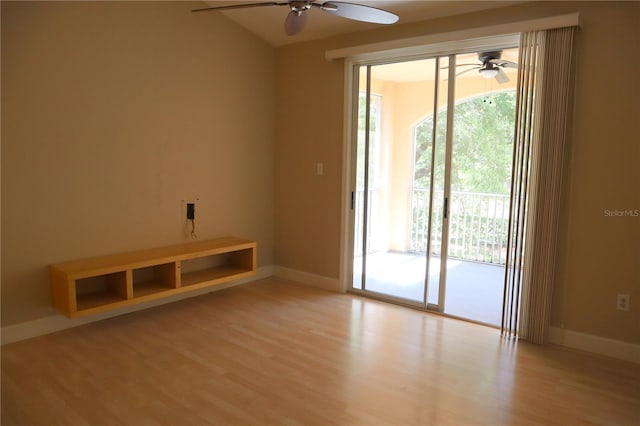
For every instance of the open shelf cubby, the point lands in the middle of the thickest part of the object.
(196, 272)
(99, 284)
(154, 279)
(101, 289)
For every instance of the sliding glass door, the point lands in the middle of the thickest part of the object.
(478, 191)
(399, 179)
(432, 172)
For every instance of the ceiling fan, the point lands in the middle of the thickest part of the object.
(491, 66)
(297, 17)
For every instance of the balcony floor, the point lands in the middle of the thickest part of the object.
(474, 290)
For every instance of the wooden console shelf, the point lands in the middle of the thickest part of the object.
(99, 284)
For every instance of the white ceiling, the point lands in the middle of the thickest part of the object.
(267, 22)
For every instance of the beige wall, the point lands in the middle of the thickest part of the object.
(599, 256)
(309, 130)
(112, 113)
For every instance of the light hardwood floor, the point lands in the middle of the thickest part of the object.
(272, 352)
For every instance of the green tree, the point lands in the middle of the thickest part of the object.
(482, 145)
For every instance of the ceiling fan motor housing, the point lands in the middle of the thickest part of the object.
(485, 57)
(300, 6)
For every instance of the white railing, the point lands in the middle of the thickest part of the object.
(478, 225)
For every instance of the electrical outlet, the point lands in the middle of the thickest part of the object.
(189, 217)
(189, 207)
(623, 302)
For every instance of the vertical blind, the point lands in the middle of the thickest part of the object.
(543, 108)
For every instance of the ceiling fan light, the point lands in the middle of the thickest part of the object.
(488, 72)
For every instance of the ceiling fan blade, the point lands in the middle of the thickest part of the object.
(502, 77)
(359, 12)
(295, 22)
(503, 63)
(467, 70)
(241, 6)
(462, 65)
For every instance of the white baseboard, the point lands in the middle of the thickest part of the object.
(595, 344)
(53, 323)
(331, 284)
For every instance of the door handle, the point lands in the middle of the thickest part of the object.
(445, 212)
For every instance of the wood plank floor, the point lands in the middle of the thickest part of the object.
(272, 352)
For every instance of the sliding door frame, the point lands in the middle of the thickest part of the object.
(351, 69)
(444, 237)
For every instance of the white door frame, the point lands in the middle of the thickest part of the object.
(350, 132)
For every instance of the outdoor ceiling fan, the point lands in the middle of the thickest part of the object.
(491, 66)
(297, 17)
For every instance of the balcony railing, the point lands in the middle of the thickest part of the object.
(478, 225)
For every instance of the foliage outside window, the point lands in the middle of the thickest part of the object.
(482, 143)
